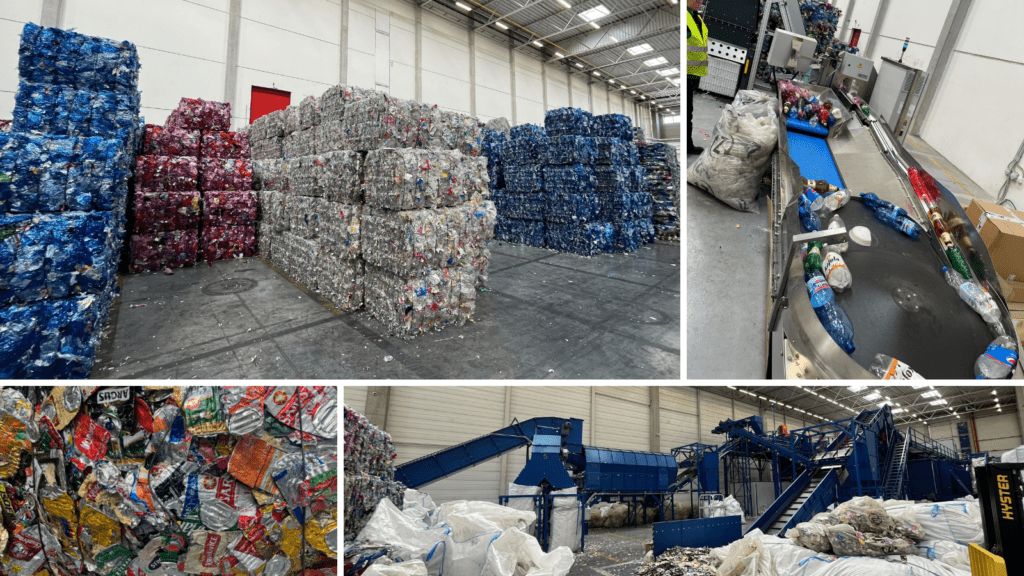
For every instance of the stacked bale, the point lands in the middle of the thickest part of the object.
(376, 200)
(520, 204)
(662, 181)
(369, 471)
(64, 170)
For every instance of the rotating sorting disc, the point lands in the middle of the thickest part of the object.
(901, 305)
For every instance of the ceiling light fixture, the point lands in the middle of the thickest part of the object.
(580, 65)
(463, 6)
(614, 39)
(668, 71)
(873, 396)
(538, 44)
(564, 3)
(857, 387)
(596, 73)
(658, 62)
(931, 394)
(500, 25)
(595, 13)
(559, 55)
(641, 49)
(595, 25)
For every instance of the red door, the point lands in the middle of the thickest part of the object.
(266, 100)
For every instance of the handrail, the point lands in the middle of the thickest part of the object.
(922, 442)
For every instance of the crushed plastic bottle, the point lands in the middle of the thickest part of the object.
(973, 295)
(835, 201)
(836, 272)
(812, 263)
(832, 316)
(808, 218)
(998, 360)
(889, 368)
(840, 244)
(892, 215)
(816, 200)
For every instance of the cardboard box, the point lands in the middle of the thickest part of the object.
(1003, 234)
(1013, 291)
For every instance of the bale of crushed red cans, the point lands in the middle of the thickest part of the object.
(174, 248)
(170, 141)
(232, 480)
(199, 114)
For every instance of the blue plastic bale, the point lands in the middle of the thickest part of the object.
(568, 122)
(20, 338)
(66, 58)
(494, 136)
(526, 178)
(629, 236)
(611, 151)
(571, 179)
(496, 177)
(584, 239)
(614, 179)
(571, 208)
(37, 108)
(528, 232)
(23, 244)
(613, 126)
(638, 179)
(634, 153)
(32, 65)
(525, 206)
(625, 207)
(91, 176)
(52, 338)
(567, 150)
(53, 177)
(27, 168)
(531, 131)
(520, 151)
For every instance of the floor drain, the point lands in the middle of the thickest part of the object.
(229, 286)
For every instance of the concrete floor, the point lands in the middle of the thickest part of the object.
(612, 551)
(546, 315)
(727, 257)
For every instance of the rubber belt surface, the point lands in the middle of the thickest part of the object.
(812, 155)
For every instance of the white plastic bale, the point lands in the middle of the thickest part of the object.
(865, 514)
(907, 524)
(341, 176)
(746, 557)
(290, 119)
(945, 551)
(420, 301)
(266, 149)
(410, 568)
(304, 175)
(339, 229)
(566, 520)
(424, 239)
(847, 541)
(270, 174)
(265, 236)
(418, 505)
(517, 554)
(468, 518)
(272, 210)
(267, 126)
(304, 215)
(955, 521)
(300, 143)
(309, 112)
(810, 535)
(297, 257)
(405, 179)
(340, 280)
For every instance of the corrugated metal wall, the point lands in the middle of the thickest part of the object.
(355, 397)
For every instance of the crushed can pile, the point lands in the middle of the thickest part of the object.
(168, 480)
(679, 561)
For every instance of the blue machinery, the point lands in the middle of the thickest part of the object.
(823, 465)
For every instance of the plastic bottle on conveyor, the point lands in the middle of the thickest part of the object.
(836, 273)
(998, 360)
(889, 368)
(891, 214)
(808, 218)
(832, 316)
(812, 263)
(973, 295)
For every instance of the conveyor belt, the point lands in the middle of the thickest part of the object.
(812, 155)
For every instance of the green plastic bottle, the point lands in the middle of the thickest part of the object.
(813, 261)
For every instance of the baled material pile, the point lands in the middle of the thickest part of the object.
(64, 170)
(573, 186)
(859, 527)
(662, 181)
(369, 471)
(379, 202)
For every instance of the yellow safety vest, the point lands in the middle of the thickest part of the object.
(696, 47)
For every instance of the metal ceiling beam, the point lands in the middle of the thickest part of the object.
(644, 56)
(625, 51)
(568, 28)
(494, 17)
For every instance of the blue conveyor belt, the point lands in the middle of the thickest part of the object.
(812, 155)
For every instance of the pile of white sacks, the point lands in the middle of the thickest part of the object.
(864, 536)
(461, 538)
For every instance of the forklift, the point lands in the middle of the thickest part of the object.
(1001, 494)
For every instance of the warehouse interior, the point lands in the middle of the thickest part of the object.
(606, 479)
(412, 189)
(897, 73)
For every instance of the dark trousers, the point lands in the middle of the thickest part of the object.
(691, 87)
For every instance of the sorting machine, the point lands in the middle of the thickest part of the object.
(900, 304)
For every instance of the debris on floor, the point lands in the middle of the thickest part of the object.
(679, 561)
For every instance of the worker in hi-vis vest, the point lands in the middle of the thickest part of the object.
(696, 64)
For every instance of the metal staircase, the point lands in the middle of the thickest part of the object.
(790, 511)
(898, 468)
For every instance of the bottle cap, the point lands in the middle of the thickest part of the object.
(861, 235)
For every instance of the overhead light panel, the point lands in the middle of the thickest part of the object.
(500, 25)
(614, 39)
(613, 82)
(856, 387)
(674, 2)
(917, 386)
(873, 396)
(899, 410)
(564, 3)
(993, 391)
(559, 55)
(595, 13)
(658, 62)
(634, 92)
(938, 402)
(595, 25)
(931, 394)
(596, 73)
(463, 6)
(668, 71)
(538, 44)
(580, 65)
(641, 49)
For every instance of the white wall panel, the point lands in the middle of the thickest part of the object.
(479, 410)
(310, 18)
(442, 57)
(403, 44)
(558, 90)
(13, 17)
(492, 72)
(262, 47)
(677, 428)
(446, 92)
(493, 103)
(529, 85)
(679, 399)
(580, 98)
(713, 409)
(494, 50)
(623, 417)
(163, 91)
(360, 68)
(529, 111)
(743, 410)
(998, 433)
(403, 81)
(355, 397)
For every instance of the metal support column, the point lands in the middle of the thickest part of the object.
(512, 74)
(940, 60)
(418, 58)
(378, 403)
(876, 27)
(52, 14)
(755, 58)
(472, 68)
(568, 83)
(846, 21)
(231, 62)
(343, 45)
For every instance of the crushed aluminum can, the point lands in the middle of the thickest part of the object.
(251, 463)
(245, 421)
(218, 515)
(317, 538)
(113, 395)
(324, 421)
(112, 424)
(114, 560)
(11, 446)
(249, 556)
(104, 529)
(63, 403)
(206, 550)
(63, 520)
(163, 556)
(283, 404)
(201, 408)
(24, 554)
(15, 404)
(277, 566)
(91, 438)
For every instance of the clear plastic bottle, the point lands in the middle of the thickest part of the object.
(808, 217)
(840, 244)
(998, 360)
(973, 295)
(836, 272)
(889, 368)
(816, 200)
(836, 200)
(891, 214)
(831, 315)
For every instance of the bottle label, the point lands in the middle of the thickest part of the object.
(907, 226)
(832, 263)
(1001, 355)
(900, 371)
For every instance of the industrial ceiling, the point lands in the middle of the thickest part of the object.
(910, 404)
(627, 45)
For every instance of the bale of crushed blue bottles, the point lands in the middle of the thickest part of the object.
(520, 151)
(567, 150)
(612, 126)
(491, 148)
(64, 171)
(526, 178)
(528, 232)
(588, 239)
(614, 179)
(571, 208)
(624, 207)
(525, 206)
(567, 122)
(612, 151)
(527, 131)
(569, 179)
